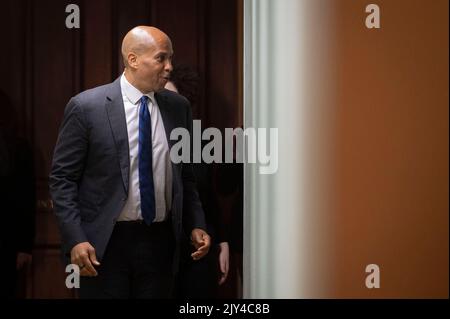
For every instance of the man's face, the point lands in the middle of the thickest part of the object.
(155, 66)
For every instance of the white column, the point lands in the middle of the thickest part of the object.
(285, 226)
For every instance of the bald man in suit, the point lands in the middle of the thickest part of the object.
(121, 203)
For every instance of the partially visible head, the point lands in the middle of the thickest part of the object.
(184, 80)
(147, 55)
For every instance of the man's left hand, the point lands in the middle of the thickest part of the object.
(201, 241)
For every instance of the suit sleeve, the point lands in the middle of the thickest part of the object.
(193, 215)
(67, 168)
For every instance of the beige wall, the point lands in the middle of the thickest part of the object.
(363, 149)
(391, 149)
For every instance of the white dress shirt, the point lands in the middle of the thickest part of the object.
(162, 166)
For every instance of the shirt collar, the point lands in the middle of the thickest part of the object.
(131, 92)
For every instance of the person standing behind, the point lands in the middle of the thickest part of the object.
(121, 204)
(201, 278)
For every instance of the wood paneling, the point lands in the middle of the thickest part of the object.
(48, 276)
(55, 74)
(222, 73)
(391, 150)
(97, 45)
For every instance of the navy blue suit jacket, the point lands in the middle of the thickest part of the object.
(90, 169)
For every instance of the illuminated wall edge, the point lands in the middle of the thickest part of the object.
(284, 256)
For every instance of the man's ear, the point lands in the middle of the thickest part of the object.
(132, 60)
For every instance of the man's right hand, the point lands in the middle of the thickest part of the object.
(83, 255)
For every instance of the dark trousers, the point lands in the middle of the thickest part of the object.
(198, 279)
(137, 264)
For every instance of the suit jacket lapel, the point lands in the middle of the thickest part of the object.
(117, 120)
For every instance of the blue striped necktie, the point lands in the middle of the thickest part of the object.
(146, 185)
